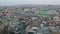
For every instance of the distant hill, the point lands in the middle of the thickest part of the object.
(37, 6)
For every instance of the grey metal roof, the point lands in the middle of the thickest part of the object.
(53, 12)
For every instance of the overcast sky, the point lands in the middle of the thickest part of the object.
(15, 2)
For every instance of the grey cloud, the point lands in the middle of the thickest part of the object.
(13, 2)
